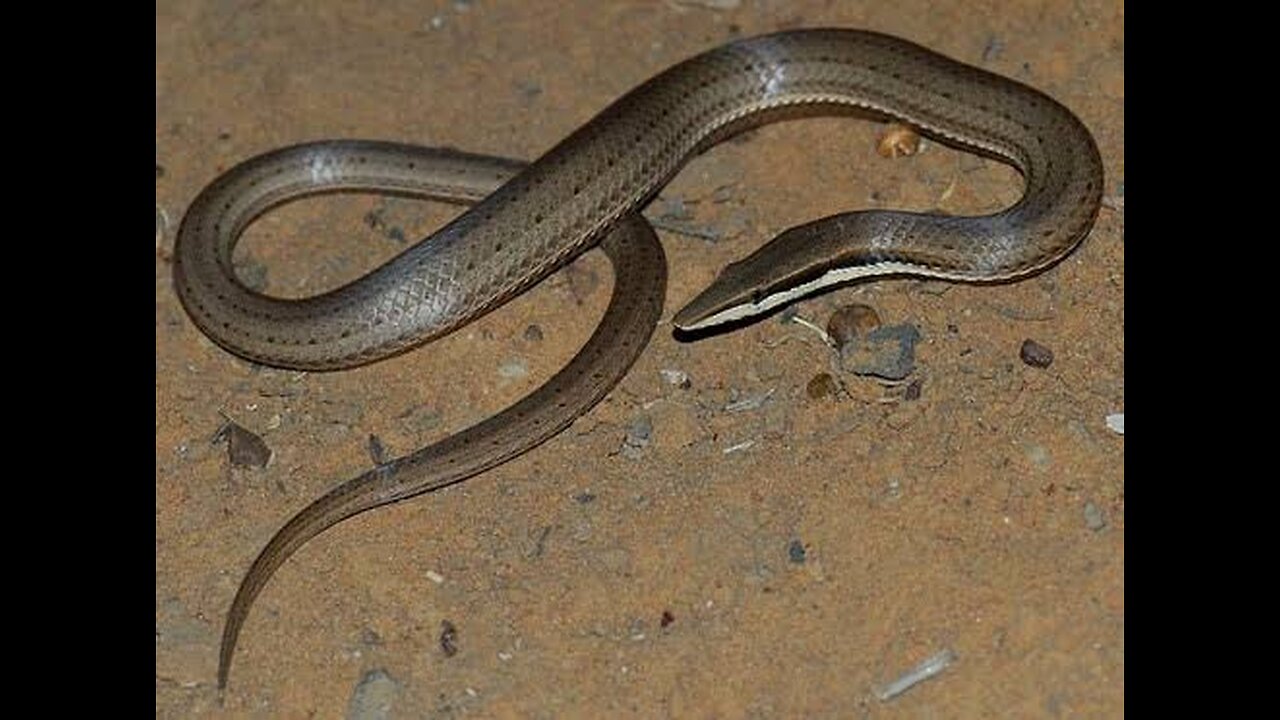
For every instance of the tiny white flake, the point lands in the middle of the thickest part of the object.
(1115, 421)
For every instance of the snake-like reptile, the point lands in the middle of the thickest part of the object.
(529, 221)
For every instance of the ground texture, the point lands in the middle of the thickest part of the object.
(730, 534)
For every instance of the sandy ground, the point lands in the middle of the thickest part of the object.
(746, 544)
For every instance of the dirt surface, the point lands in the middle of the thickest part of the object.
(753, 541)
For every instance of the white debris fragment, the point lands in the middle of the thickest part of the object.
(1115, 421)
(679, 378)
(918, 674)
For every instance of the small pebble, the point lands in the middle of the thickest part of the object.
(533, 333)
(667, 618)
(1093, 517)
(448, 638)
(1115, 422)
(898, 141)
(639, 435)
(796, 552)
(678, 378)
(852, 321)
(913, 390)
(243, 447)
(1035, 354)
(373, 697)
(888, 352)
(820, 386)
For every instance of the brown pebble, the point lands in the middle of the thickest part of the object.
(913, 390)
(667, 618)
(448, 638)
(820, 386)
(1035, 354)
(898, 141)
(533, 333)
(852, 321)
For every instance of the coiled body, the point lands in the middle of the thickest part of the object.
(591, 184)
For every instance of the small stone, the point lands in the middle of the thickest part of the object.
(1035, 354)
(667, 618)
(888, 352)
(639, 435)
(796, 552)
(852, 321)
(820, 386)
(533, 333)
(448, 638)
(898, 141)
(1115, 421)
(373, 697)
(678, 378)
(1093, 517)
(913, 390)
(245, 449)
